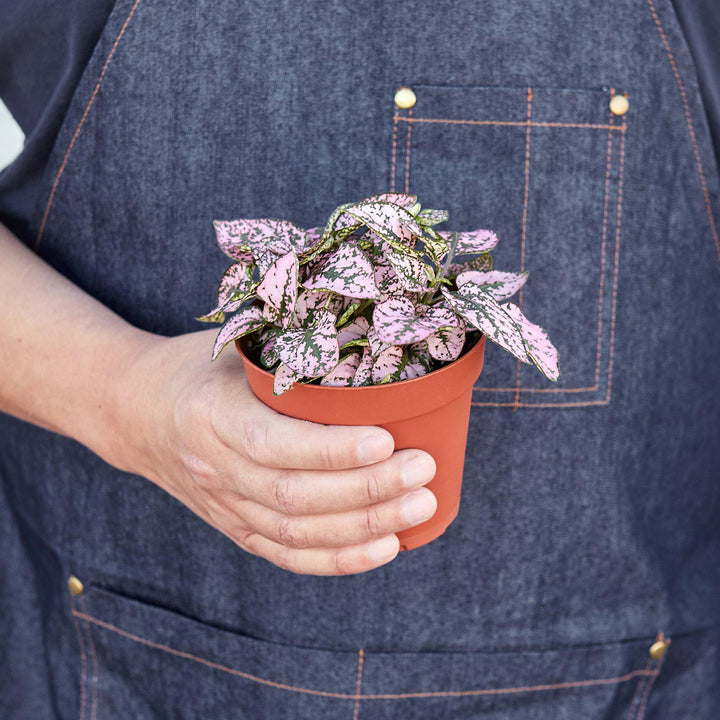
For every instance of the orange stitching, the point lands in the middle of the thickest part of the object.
(523, 233)
(617, 261)
(79, 127)
(357, 695)
(691, 129)
(94, 680)
(357, 686)
(638, 692)
(83, 660)
(648, 687)
(602, 257)
(518, 123)
(537, 390)
(407, 156)
(517, 390)
(542, 405)
(394, 150)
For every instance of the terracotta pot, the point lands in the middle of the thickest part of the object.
(430, 413)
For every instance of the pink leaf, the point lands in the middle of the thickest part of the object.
(472, 242)
(236, 285)
(278, 236)
(501, 285)
(481, 262)
(386, 279)
(399, 322)
(376, 345)
(279, 286)
(387, 365)
(310, 301)
(432, 217)
(363, 374)
(401, 199)
(242, 323)
(411, 272)
(343, 373)
(481, 310)
(446, 344)
(347, 271)
(391, 222)
(285, 378)
(268, 354)
(313, 351)
(355, 330)
(543, 353)
(231, 241)
(412, 370)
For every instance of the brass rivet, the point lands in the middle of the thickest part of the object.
(75, 586)
(658, 648)
(619, 104)
(405, 98)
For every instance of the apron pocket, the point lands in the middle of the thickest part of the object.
(143, 661)
(542, 167)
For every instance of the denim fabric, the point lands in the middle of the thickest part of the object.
(589, 516)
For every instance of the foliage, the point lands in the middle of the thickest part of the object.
(377, 295)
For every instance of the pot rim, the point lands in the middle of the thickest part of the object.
(450, 367)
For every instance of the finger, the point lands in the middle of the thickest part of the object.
(315, 492)
(274, 440)
(340, 529)
(348, 560)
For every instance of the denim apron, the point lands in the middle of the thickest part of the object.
(588, 523)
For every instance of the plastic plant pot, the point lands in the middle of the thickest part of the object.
(430, 413)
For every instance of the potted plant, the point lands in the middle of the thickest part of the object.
(378, 318)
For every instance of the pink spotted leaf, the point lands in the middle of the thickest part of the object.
(279, 287)
(343, 373)
(402, 199)
(285, 378)
(375, 344)
(363, 374)
(387, 365)
(354, 331)
(243, 322)
(412, 272)
(482, 311)
(501, 285)
(472, 242)
(428, 217)
(268, 355)
(347, 271)
(309, 302)
(482, 263)
(446, 344)
(399, 322)
(393, 223)
(542, 352)
(312, 351)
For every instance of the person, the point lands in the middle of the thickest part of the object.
(174, 548)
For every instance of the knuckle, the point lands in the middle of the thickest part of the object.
(343, 564)
(255, 440)
(289, 493)
(373, 487)
(291, 533)
(287, 559)
(246, 540)
(373, 523)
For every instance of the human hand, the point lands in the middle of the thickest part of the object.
(310, 498)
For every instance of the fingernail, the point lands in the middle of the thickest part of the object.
(383, 549)
(418, 470)
(374, 448)
(419, 506)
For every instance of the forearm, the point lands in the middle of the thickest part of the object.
(61, 351)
